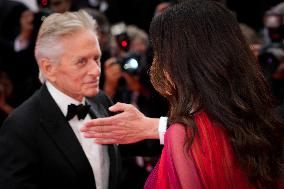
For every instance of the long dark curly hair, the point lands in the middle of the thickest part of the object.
(201, 60)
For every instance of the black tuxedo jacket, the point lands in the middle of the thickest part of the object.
(38, 148)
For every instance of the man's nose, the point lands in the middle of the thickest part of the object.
(95, 68)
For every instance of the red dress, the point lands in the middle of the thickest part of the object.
(208, 164)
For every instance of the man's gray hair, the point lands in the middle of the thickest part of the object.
(56, 26)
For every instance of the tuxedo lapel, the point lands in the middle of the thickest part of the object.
(97, 109)
(63, 136)
(115, 166)
(100, 109)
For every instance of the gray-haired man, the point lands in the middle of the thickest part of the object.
(41, 145)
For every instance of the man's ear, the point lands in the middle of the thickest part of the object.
(47, 68)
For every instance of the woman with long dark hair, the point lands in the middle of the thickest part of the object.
(224, 132)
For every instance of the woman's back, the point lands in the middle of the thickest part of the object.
(202, 61)
(214, 157)
(208, 163)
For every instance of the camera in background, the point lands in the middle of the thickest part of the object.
(121, 37)
(272, 55)
(274, 22)
(131, 63)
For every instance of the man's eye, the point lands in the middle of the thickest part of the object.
(82, 61)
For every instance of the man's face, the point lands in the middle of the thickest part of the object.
(78, 72)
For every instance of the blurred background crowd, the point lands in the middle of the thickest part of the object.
(127, 55)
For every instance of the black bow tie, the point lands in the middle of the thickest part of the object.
(80, 110)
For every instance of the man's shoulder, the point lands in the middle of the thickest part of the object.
(24, 115)
(31, 104)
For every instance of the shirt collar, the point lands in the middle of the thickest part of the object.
(61, 99)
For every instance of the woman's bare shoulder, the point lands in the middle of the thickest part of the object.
(177, 133)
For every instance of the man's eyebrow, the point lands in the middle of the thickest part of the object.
(98, 56)
(76, 58)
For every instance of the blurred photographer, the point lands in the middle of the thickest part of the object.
(252, 38)
(127, 80)
(5, 92)
(126, 75)
(271, 57)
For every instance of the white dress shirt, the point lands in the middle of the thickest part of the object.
(97, 154)
(162, 129)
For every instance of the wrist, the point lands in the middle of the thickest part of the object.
(152, 130)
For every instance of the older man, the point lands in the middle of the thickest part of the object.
(41, 146)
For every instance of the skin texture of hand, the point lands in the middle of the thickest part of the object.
(129, 126)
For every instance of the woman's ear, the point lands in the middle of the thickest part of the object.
(47, 68)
